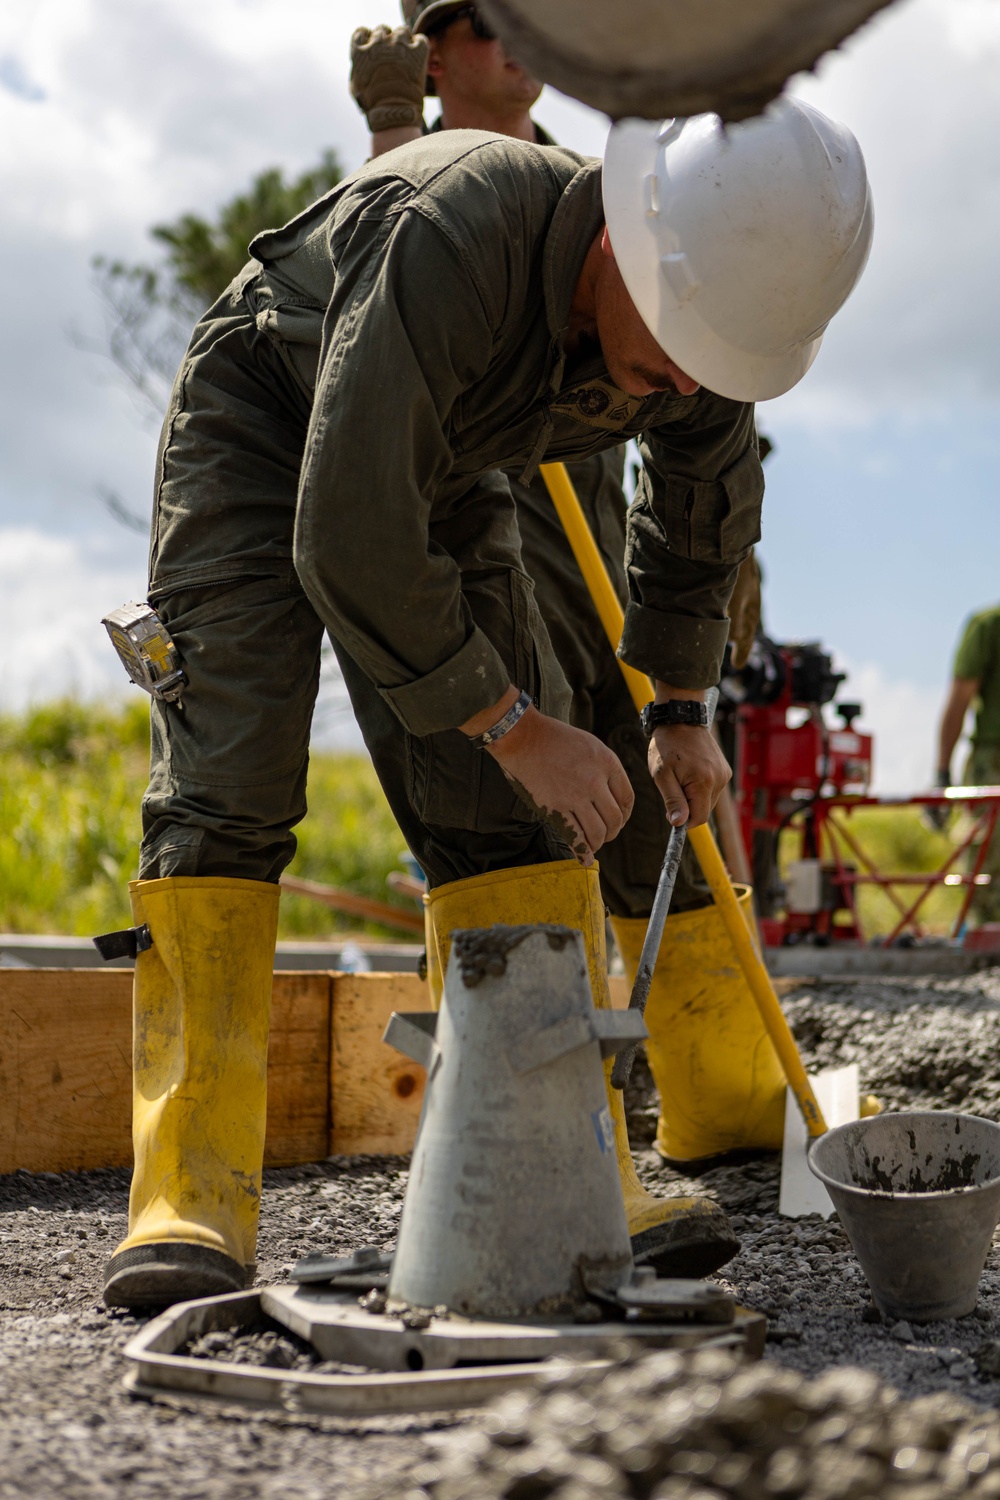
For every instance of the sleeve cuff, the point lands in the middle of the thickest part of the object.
(678, 649)
(464, 685)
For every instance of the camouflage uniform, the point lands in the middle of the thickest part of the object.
(329, 459)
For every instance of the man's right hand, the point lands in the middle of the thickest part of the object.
(388, 77)
(568, 778)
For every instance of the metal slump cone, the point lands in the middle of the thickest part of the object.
(514, 1193)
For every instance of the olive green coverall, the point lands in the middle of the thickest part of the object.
(599, 700)
(330, 459)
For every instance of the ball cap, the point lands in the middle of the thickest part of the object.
(424, 15)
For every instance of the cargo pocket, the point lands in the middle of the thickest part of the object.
(250, 649)
(536, 665)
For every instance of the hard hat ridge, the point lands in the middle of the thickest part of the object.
(738, 244)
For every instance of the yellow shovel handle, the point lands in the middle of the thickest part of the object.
(591, 565)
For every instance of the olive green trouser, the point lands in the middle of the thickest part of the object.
(983, 769)
(601, 702)
(228, 765)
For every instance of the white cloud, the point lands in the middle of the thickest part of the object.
(974, 27)
(53, 593)
(903, 718)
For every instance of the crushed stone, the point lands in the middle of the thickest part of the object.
(669, 1427)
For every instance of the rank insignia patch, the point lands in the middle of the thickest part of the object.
(598, 403)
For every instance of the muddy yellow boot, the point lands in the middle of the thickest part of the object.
(201, 1014)
(721, 1086)
(679, 1236)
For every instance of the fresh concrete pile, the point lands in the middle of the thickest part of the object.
(665, 1427)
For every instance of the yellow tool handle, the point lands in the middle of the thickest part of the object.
(591, 564)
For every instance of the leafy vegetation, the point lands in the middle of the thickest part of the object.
(71, 779)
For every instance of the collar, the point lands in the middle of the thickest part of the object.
(542, 137)
(577, 219)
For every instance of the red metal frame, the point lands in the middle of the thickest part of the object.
(829, 835)
(810, 777)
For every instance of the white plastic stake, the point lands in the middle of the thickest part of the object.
(836, 1092)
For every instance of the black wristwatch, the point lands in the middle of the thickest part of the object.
(674, 711)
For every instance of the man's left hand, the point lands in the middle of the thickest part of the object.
(690, 771)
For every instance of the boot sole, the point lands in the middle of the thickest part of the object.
(160, 1275)
(686, 1246)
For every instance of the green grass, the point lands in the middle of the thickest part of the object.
(71, 779)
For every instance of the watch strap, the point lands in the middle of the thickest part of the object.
(674, 711)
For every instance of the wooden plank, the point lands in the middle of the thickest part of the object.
(298, 1069)
(333, 1085)
(66, 1069)
(376, 1093)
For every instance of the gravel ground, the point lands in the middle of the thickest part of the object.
(68, 1428)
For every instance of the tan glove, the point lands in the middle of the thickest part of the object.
(744, 611)
(388, 76)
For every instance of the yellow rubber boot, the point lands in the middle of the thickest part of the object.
(721, 1085)
(201, 1016)
(679, 1236)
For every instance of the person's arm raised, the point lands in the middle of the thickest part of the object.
(388, 80)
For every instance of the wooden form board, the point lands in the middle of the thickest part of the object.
(375, 1092)
(65, 1068)
(334, 1087)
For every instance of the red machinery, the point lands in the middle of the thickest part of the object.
(794, 770)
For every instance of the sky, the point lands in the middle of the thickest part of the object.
(881, 522)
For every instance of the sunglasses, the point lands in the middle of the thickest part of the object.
(480, 30)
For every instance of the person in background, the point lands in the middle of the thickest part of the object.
(975, 683)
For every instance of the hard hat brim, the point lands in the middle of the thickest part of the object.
(675, 322)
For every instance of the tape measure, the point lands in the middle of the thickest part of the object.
(146, 650)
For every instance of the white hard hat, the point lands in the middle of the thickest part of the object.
(738, 244)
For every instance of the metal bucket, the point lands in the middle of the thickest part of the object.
(918, 1194)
